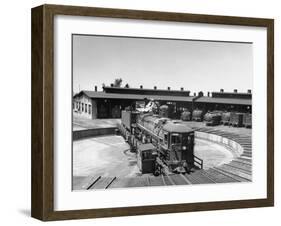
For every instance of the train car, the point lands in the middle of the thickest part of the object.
(146, 156)
(225, 117)
(186, 116)
(197, 115)
(236, 119)
(164, 111)
(212, 118)
(174, 143)
(129, 119)
(247, 120)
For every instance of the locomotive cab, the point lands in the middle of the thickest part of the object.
(179, 139)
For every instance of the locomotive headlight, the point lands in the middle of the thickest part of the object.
(183, 147)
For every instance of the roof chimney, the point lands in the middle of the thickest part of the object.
(169, 88)
(249, 91)
(221, 90)
(194, 94)
(182, 88)
(96, 88)
(235, 91)
(155, 87)
(208, 94)
(141, 87)
(200, 94)
(111, 85)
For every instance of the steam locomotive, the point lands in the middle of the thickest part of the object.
(163, 146)
(213, 118)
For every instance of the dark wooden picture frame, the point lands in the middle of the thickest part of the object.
(42, 203)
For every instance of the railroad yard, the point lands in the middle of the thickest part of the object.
(226, 152)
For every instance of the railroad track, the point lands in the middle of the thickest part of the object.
(101, 183)
(238, 170)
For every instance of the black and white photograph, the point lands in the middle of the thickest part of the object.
(152, 111)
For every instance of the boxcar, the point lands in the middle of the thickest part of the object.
(186, 116)
(225, 117)
(212, 118)
(197, 115)
(247, 120)
(164, 111)
(236, 119)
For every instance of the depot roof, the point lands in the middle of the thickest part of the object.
(219, 100)
(103, 95)
(203, 99)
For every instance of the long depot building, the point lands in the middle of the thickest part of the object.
(112, 100)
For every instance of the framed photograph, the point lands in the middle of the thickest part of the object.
(142, 112)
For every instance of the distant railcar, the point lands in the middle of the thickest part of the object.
(225, 117)
(186, 116)
(247, 120)
(197, 115)
(212, 118)
(164, 111)
(236, 119)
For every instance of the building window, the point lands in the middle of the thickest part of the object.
(90, 109)
(82, 107)
(86, 108)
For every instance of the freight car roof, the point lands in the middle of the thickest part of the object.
(177, 128)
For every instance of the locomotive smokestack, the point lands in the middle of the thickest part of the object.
(141, 87)
(169, 88)
(221, 90)
(182, 88)
(249, 91)
(111, 85)
(155, 87)
(235, 91)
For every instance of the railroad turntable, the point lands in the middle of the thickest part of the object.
(151, 150)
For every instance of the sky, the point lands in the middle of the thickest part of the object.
(194, 65)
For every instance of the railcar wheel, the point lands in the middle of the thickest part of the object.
(157, 170)
(156, 173)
